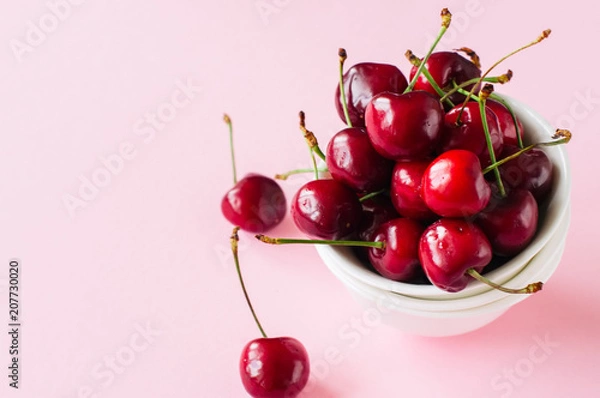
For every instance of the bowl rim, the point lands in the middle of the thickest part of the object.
(555, 210)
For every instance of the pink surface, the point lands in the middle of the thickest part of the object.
(133, 292)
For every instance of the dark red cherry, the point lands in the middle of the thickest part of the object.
(405, 190)
(362, 82)
(255, 204)
(446, 67)
(468, 133)
(453, 185)
(404, 126)
(448, 248)
(532, 170)
(510, 223)
(505, 122)
(375, 211)
(326, 209)
(399, 259)
(352, 160)
(274, 367)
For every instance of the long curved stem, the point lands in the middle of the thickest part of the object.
(446, 19)
(234, 248)
(227, 120)
(529, 289)
(343, 55)
(485, 93)
(293, 241)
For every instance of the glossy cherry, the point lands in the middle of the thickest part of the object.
(468, 133)
(446, 67)
(362, 82)
(255, 204)
(399, 259)
(406, 126)
(405, 190)
(326, 209)
(448, 248)
(453, 185)
(506, 122)
(532, 170)
(375, 211)
(274, 367)
(510, 223)
(352, 160)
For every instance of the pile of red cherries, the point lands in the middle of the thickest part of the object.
(429, 179)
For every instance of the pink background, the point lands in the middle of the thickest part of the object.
(149, 250)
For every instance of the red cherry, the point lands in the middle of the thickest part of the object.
(510, 223)
(468, 133)
(453, 185)
(406, 126)
(352, 160)
(255, 204)
(446, 67)
(274, 367)
(399, 259)
(405, 190)
(448, 248)
(375, 211)
(326, 209)
(532, 170)
(362, 82)
(506, 122)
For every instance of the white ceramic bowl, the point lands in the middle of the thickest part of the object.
(427, 310)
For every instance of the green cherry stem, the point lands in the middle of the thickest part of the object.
(234, 249)
(370, 195)
(292, 241)
(529, 289)
(227, 121)
(446, 19)
(415, 61)
(310, 137)
(561, 136)
(310, 140)
(501, 100)
(465, 92)
(541, 37)
(284, 176)
(483, 95)
(505, 78)
(343, 55)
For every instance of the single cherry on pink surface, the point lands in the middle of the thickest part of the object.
(399, 258)
(404, 126)
(255, 203)
(362, 82)
(326, 209)
(446, 67)
(453, 185)
(351, 159)
(506, 122)
(509, 223)
(532, 170)
(274, 367)
(468, 131)
(450, 247)
(270, 367)
(405, 190)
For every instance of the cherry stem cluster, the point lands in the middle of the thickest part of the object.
(234, 239)
(227, 121)
(446, 20)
